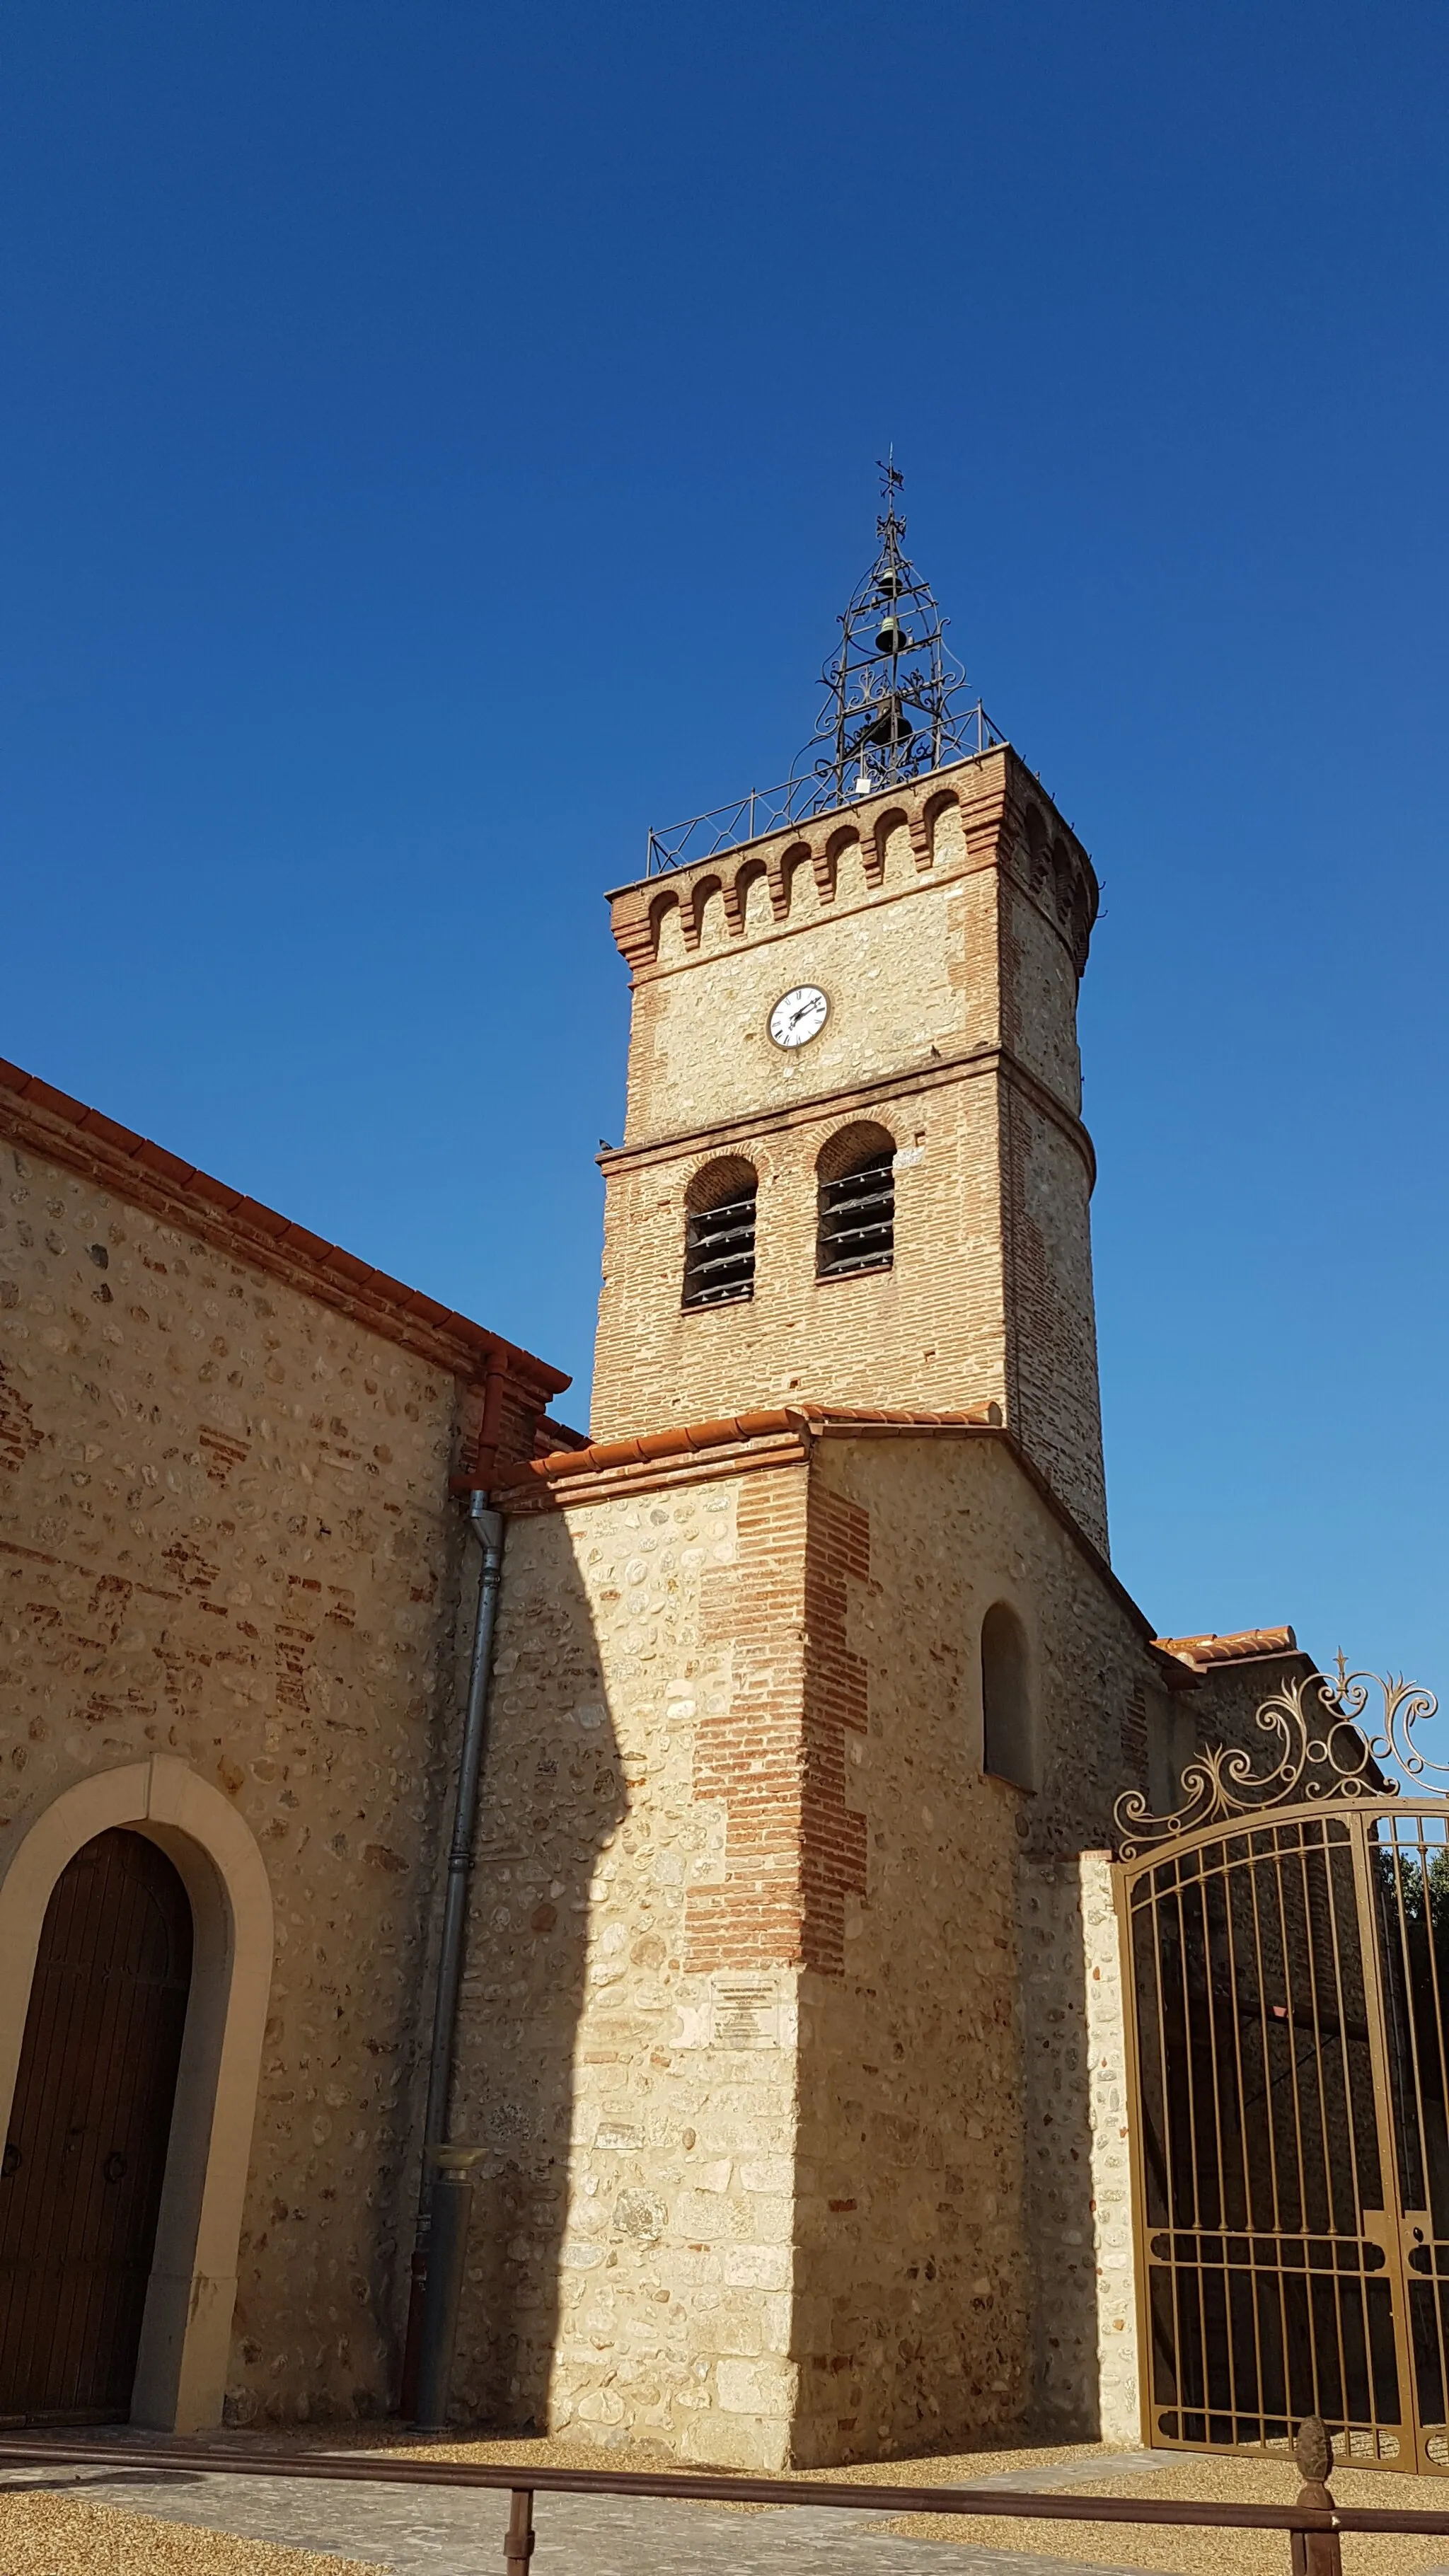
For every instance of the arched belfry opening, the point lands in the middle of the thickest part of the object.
(90, 2125)
(719, 1233)
(856, 1215)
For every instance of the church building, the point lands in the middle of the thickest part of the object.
(788, 2026)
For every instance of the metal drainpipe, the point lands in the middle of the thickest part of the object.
(432, 2306)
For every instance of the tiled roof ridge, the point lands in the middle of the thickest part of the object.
(1244, 1646)
(47, 1120)
(680, 1440)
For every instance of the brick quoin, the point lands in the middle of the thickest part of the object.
(749, 1758)
(775, 1757)
(833, 1835)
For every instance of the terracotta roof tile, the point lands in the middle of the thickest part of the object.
(680, 1440)
(1246, 1646)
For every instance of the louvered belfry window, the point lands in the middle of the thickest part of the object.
(858, 1212)
(719, 1239)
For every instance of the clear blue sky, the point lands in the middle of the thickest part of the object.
(436, 441)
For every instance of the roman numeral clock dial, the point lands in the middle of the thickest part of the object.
(799, 1016)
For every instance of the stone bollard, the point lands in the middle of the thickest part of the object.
(1315, 2553)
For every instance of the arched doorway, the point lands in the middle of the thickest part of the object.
(85, 2157)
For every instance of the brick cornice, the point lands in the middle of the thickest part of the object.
(47, 1122)
(994, 794)
(971, 1065)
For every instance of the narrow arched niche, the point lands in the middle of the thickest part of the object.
(1008, 1740)
(667, 926)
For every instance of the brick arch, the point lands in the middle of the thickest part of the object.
(718, 1177)
(857, 1138)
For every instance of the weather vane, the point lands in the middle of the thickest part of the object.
(895, 703)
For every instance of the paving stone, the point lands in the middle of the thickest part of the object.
(446, 2531)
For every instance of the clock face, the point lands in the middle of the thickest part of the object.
(799, 1016)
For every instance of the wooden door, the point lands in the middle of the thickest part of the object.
(83, 2165)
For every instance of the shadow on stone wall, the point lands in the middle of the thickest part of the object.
(553, 1800)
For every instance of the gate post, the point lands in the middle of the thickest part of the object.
(1315, 2553)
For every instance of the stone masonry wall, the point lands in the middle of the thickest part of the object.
(918, 2297)
(742, 2034)
(628, 2033)
(224, 1534)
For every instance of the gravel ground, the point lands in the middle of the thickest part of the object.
(1198, 2553)
(49, 2535)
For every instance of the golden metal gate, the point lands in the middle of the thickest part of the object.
(1286, 1958)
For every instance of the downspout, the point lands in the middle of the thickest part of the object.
(432, 2304)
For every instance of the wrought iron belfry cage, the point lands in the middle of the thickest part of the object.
(1286, 1957)
(895, 696)
(895, 708)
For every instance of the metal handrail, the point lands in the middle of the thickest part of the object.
(769, 809)
(1319, 2522)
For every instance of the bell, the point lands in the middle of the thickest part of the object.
(892, 637)
(892, 725)
(889, 583)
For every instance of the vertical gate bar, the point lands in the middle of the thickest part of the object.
(1396, 1935)
(1332, 1849)
(518, 2546)
(1169, 2221)
(1249, 2212)
(1221, 1877)
(1269, 1876)
(1393, 1848)
(1411, 2017)
(1374, 2014)
(1265, 1864)
(1351, 2125)
(1280, 1907)
(1307, 2070)
(1196, 2145)
(1169, 2147)
(1435, 2236)
(1320, 1847)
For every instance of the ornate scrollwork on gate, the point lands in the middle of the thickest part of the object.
(1322, 1752)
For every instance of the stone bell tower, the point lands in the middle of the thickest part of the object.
(854, 1169)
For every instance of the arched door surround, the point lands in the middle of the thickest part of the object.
(85, 2158)
(186, 2329)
